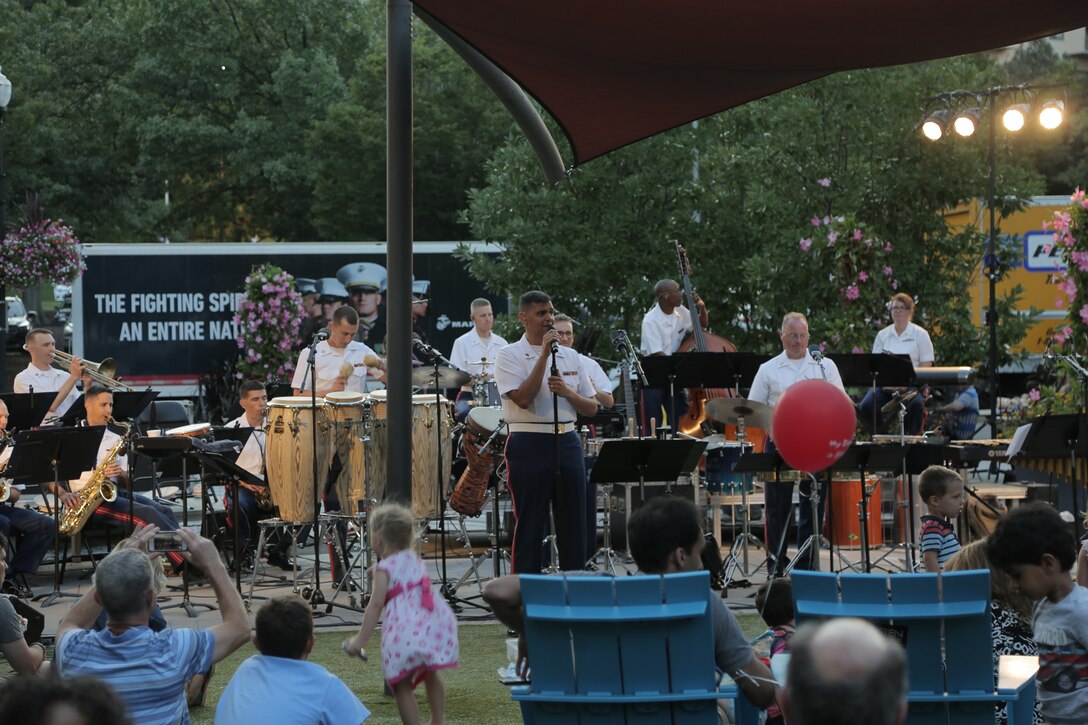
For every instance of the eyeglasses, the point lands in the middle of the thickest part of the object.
(565, 334)
(899, 308)
(794, 337)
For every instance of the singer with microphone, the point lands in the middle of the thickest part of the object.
(543, 384)
(336, 352)
(795, 363)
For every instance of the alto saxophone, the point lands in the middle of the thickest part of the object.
(100, 488)
(5, 483)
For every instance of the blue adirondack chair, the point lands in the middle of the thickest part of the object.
(948, 639)
(622, 650)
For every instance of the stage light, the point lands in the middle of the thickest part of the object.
(1015, 117)
(967, 121)
(1052, 115)
(936, 125)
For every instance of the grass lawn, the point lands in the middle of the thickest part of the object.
(473, 692)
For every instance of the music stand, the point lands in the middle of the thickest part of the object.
(1057, 436)
(127, 405)
(687, 370)
(52, 455)
(870, 369)
(27, 410)
(864, 458)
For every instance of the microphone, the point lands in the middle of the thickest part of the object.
(555, 344)
(814, 351)
(424, 350)
(322, 334)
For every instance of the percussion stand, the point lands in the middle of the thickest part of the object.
(315, 595)
(742, 542)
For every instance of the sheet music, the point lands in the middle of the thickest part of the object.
(1017, 440)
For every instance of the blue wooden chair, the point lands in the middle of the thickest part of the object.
(948, 639)
(622, 650)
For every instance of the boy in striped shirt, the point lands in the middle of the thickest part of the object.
(941, 489)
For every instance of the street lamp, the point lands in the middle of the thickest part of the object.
(966, 108)
(5, 98)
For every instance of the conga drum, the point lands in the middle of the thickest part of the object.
(290, 454)
(348, 415)
(842, 526)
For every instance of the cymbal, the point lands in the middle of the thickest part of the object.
(731, 410)
(447, 377)
(898, 397)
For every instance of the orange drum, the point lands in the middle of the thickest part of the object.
(842, 526)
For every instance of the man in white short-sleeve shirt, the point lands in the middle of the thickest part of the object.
(529, 387)
(664, 328)
(42, 378)
(475, 352)
(794, 364)
(333, 356)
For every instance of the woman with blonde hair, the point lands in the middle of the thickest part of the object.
(1010, 612)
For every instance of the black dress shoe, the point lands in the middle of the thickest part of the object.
(15, 589)
(278, 558)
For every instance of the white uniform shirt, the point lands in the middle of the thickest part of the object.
(46, 381)
(513, 365)
(914, 342)
(328, 360)
(109, 439)
(597, 376)
(471, 348)
(779, 373)
(252, 456)
(664, 333)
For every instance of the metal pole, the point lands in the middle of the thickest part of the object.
(3, 290)
(398, 206)
(991, 266)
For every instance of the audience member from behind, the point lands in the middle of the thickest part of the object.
(845, 672)
(24, 659)
(664, 537)
(774, 602)
(51, 700)
(941, 489)
(279, 685)
(1010, 612)
(1038, 550)
(419, 631)
(148, 669)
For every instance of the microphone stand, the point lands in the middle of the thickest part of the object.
(316, 597)
(557, 479)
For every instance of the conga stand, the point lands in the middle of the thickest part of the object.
(314, 595)
(738, 550)
(53, 455)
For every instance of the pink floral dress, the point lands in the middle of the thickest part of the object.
(419, 631)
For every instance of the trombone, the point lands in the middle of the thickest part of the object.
(102, 373)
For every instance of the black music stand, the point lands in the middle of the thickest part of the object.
(645, 459)
(871, 369)
(224, 464)
(27, 410)
(1058, 436)
(50, 455)
(867, 458)
(694, 370)
(127, 405)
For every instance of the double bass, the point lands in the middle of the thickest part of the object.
(694, 422)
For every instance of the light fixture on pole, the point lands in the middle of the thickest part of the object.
(5, 99)
(965, 108)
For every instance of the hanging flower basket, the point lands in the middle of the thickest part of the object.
(268, 320)
(41, 251)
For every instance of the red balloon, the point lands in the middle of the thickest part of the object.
(813, 425)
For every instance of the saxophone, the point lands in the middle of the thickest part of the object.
(5, 483)
(100, 488)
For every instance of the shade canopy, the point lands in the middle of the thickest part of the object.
(612, 72)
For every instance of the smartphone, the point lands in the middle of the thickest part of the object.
(168, 541)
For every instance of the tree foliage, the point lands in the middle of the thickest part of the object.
(739, 189)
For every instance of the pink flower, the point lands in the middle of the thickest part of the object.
(823, 345)
(895, 284)
(858, 235)
(806, 244)
(824, 182)
(1059, 302)
(888, 247)
(887, 271)
(863, 276)
(1034, 394)
(815, 221)
(852, 292)
(827, 220)
(1084, 314)
(832, 237)
(857, 351)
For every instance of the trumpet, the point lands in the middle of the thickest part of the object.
(102, 373)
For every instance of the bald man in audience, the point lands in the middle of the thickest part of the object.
(845, 672)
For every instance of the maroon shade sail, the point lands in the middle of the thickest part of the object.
(612, 72)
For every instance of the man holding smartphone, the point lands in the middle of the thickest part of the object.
(148, 669)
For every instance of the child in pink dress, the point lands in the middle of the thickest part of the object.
(419, 631)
